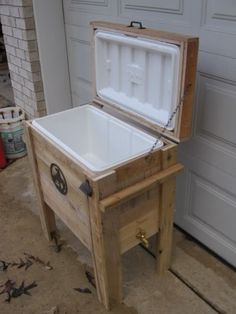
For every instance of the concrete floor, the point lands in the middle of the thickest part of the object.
(197, 282)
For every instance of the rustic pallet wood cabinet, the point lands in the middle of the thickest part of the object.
(113, 210)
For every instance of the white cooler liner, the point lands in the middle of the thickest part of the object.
(138, 74)
(95, 138)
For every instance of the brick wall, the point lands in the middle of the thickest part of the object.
(22, 53)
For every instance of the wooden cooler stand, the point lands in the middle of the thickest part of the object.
(113, 211)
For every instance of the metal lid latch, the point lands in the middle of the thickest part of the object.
(86, 188)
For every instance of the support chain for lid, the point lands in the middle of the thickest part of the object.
(172, 116)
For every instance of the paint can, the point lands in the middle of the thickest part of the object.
(11, 130)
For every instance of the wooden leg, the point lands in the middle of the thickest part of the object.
(107, 260)
(97, 251)
(105, 251)
(47, 216)
(112, 254)
(164, 246)
(48, 221)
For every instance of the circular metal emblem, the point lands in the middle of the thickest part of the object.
(59, 179)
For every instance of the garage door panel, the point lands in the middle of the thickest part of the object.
(212, 206)
(206, 206)
(82, 93)
(83, 19)
(220, 66)
(78, 47)
(224, 181)
(219, 15)
(80, 13)
(216, 111)
(175, 12)
(90, 6)
(218, 28)
(217, 43)
(79, 34)
(210, 152)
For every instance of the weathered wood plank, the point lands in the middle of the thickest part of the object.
(174, 38)
(146, 222)
(164, 246)
(169, 156)
(98, 253)
(188, 87)
(128, 174)
(140, 187)
(110, 222)
(139, 206)
(46, 214)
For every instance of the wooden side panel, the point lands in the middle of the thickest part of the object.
(72, 208)
(129, 174)
(189, 77)
(141, 213)
(139, 206)
(146, 223)
(136, 171)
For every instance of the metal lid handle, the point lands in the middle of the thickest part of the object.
(138, 23)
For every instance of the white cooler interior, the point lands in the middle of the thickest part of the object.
(138, 74)
(95, 138)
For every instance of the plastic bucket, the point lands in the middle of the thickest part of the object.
(3, 161)
(11, 130)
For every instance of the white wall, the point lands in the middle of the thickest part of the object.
(50, 30)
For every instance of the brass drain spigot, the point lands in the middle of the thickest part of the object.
(141, 236)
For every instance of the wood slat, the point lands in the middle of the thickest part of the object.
(110, 222)
(169, 37)
(148, 223)
(139, 206)
(169, 156)
(46, 214)
(165, 235)
(132, 191)
(98, 251)
(185, 120)
(129, 173)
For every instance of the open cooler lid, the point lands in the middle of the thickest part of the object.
(139, 75)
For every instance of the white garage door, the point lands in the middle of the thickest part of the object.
(206, 196)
